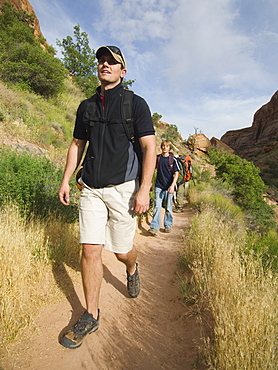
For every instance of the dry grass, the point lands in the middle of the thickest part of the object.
(28, 252)
(243, 297)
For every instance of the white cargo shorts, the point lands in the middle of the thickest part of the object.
(105, 216)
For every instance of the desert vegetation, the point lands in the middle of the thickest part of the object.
(35, 258)
(233, 258)
(38, 236)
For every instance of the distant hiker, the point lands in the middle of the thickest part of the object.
(111, 196)
(166, 178)
(183, 185)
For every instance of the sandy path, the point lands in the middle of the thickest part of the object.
(154, 331)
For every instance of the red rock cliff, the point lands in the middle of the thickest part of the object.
(261, 137)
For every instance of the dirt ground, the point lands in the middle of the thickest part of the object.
(154, 331)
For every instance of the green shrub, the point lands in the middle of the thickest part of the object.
(23, 59)
(209, 198)
(171, 134)
(205, 175)
(248, 187)
(32, 182)
(32, 69)
(262, 237)
(265, 246)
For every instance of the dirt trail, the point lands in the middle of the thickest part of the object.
(154, 331)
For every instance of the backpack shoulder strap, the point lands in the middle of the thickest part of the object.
(126, 112)
(89, 115)
(171, 161)
(158, 160)
(180, 164)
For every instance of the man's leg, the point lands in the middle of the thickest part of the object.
(179, 199)
(158, 197)
(133, 279)
(168, 217)
(186, 190)
(92, 274)
(129, 259)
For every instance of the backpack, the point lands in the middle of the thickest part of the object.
(186, 169)
(90, 117)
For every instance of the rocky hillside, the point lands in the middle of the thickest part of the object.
(25, 5)
(263, 134)
(259, 143)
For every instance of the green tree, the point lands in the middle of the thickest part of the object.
(24, 59)
(171, 134)
(128, 83)
(156, 118)
(80, 60)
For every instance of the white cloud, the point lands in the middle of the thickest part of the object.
(54, 21)
(208, 64)
(205, 50)
(214, 115)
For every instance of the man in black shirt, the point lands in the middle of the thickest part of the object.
(111, 195)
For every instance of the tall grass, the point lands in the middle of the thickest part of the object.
(27, 117)
(28, 251)
(242, 295)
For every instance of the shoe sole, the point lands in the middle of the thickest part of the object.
(135, 295)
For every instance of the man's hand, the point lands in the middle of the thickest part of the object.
(74, 156)
(171, 189)
(64, 194)
(141, 201)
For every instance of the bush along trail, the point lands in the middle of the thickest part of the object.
(154, 331)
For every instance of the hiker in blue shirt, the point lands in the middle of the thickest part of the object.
(166, 179)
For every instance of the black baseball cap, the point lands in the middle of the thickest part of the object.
(114, 51)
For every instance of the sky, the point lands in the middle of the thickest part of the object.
(205, 66)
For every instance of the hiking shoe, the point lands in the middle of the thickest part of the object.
(133, 283)
(167, 230)
(152, 231)
(87, 324)
(178, 210)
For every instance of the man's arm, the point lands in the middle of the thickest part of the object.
(74, 156)
(175, 179)
(142, 198)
